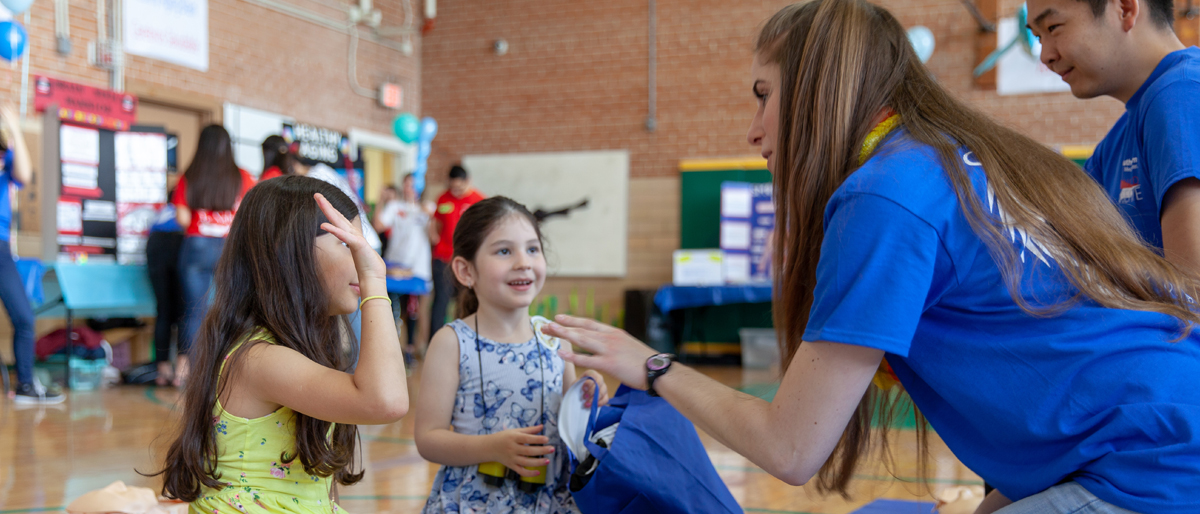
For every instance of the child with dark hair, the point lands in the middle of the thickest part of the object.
(270, 414)
(492, 382)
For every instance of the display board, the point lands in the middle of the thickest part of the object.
(583, 198)
(111, 186)
(700, 196)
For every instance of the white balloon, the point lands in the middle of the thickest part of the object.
(17, 6)
(922, 41)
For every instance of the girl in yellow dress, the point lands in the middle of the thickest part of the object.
(270, 411)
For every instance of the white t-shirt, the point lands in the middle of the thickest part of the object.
(324, 173)
(408, 245)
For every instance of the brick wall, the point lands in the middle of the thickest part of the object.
(257, 57)
(575, 78)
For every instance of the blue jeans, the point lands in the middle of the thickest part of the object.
(197, 260)
(16, 303)
(1068, 498)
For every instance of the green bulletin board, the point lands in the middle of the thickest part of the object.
(700, 228)
(700, 197)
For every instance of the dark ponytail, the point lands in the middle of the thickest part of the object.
(277, 153)
(476, 223)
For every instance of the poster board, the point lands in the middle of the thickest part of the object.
(700, 196)
(587, 241)
(111, 185)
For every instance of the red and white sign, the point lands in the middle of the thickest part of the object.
(391, 95)
(86, 105)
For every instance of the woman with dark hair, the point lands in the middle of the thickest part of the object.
(269, 418)
(278, 159)
(205, 200)
(1052, 352)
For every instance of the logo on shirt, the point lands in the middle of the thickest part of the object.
(1015, 233)
(446, 208)
(1130, 165)
(1131, 190)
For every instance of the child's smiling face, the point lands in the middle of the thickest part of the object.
(509, 268)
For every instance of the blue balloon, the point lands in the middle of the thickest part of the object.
(1024, 35)
(12, 40)
(429, 128)
(922, 41)
(17, 6)
(406, 127)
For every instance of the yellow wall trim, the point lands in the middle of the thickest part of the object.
(742, 163)
(1077, 151)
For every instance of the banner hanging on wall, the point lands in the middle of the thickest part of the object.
(317, 143)
(175, 31)
(86, 105)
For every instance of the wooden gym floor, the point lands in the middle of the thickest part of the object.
(51, 455)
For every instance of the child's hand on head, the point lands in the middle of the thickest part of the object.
(369, 263)
(587, 388)
(521, 448)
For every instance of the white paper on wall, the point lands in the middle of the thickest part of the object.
(1018, 73)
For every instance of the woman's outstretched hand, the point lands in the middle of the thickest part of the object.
(613, 351)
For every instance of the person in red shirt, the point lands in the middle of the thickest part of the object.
(205, 200)
(450, 207)
(278, 159)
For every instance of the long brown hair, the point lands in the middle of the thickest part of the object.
(473, 228)
(265, 279)
(842, 62)
(214, 181)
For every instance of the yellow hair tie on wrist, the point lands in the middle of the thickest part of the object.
(364, 300)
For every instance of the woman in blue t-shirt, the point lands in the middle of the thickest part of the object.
(18, 171)
(1052, 352)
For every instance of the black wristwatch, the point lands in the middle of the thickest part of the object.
(657, 366)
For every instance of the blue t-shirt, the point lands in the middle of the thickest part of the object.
(6, 179)
(1096, 395)
(164, 220)
(1155, 144)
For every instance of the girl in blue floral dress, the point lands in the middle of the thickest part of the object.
(492, 382)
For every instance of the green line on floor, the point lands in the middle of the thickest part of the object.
(150, 395)
(39, 509)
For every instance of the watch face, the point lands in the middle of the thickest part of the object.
(658, 362)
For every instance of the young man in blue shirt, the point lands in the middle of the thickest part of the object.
(1150, 160)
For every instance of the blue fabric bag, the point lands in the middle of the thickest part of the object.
(656, 464)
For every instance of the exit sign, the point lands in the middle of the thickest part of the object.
(390, 95)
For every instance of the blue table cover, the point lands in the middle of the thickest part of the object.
(671, 298)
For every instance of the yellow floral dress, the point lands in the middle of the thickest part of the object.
(249, 462)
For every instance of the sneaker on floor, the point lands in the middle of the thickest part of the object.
(37, 394)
